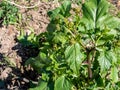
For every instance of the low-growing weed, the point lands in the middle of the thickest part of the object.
(8, 13)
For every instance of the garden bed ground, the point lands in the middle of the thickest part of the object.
(13, 74)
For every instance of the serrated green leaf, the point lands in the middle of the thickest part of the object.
(105, 61)
(93, 10)
(62, 83)
(74, 57)
(114, 74)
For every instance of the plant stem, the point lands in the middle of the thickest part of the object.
(94, 53)
(84, 47)
(89, 66)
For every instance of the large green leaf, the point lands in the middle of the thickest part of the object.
(96, 15)
(62, 83)
(74, 57)
(105, 60)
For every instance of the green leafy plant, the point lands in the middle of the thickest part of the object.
(79, 52)
(8, 13)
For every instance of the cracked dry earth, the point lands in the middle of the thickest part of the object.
(13, 74)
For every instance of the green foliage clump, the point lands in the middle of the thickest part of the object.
(79, 53)
(8, 13)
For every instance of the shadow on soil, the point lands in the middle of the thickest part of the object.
(1, 55)
(23, 77)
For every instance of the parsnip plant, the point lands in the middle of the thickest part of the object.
(79, 53)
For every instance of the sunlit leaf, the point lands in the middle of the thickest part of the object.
(114, 74)
(74, 57)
